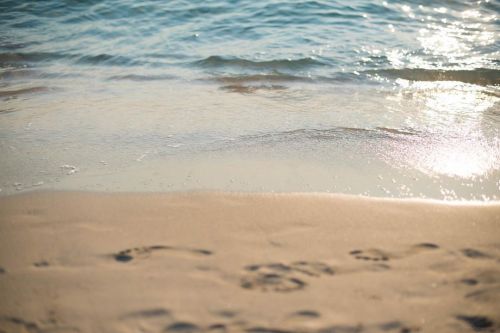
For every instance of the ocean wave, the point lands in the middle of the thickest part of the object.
(36, 57)
(336, 133)
(28, 57)
(22, 91)
(480, 76)
(18, 73)
(249, 89)
(249, 84)
(136, 77)
(106, 59)
(278, 64)
(304, 40)
(267, 80)
(255, 78)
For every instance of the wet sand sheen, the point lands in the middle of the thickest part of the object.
(214, 262)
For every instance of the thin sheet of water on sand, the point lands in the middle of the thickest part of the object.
(436, 140)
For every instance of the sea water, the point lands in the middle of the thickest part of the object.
(378, 98)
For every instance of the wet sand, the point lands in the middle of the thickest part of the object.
(258, 263)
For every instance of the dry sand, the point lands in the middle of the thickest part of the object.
(206, 262)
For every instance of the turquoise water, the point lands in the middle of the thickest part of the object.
(288, 40)
(379, 98)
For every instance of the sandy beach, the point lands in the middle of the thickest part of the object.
(249, 166)
(258, 263)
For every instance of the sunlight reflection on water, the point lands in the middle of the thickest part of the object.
(458, 141)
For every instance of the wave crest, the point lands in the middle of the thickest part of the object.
(277, 64)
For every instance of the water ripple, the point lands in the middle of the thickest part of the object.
(448, 41)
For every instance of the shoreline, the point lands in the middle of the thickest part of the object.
(255, 194)
(246, 262)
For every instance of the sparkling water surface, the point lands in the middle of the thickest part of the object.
(381, 98)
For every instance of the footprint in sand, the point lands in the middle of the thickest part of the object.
(182, 327)
(281, 277)
(381, 255)
(396, 327)
(477, 323)
(147, 320)
(226, 314)
(313, 268)
(260, 329)
(488, 276)
(469, 282)
(371, 255)
(187, 327)
(475, 254)
(483, 282)
(15, 324)
(483, 286)
(217, 328)
(424, 246)
(162, 320)
(146, 251)
(306, 314)
(148, 313)
(42, 263)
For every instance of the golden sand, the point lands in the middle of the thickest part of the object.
(258, 263)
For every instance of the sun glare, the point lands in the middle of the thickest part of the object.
(452, 119)
(460, 158)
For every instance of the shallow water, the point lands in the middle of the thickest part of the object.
(365, 97)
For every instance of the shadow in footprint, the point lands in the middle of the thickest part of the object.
(266, 330)
(396, 326)
(42, 263)
(306, 314)
(217, 328)
(475, 254)
(469, 282)
(148, 313)
(342, 329)
(370, 255)
(477, 323)
(272, 282)
(428, 246)
(182, 327)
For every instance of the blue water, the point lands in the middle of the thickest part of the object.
(291, 40)
(381, 98)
